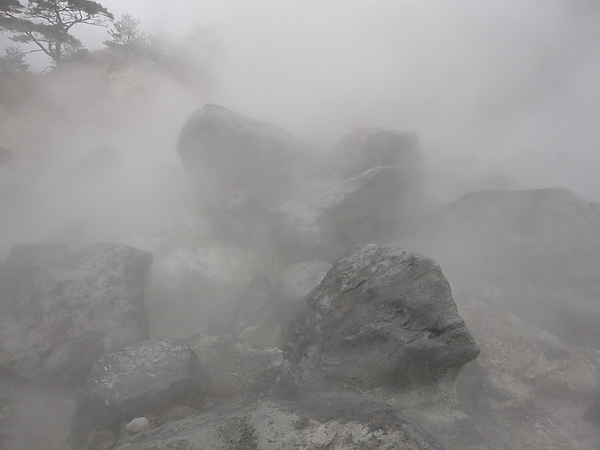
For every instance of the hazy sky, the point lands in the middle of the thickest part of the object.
(495, 87)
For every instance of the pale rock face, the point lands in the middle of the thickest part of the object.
(138, 425)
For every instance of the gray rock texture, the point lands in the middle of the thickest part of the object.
(540, 248)
(60, 311)
(224, 151)
(525, 380)
(326, 219)
(145, 378)
(255, 317)
(366, 148)
(270, 425)
(382, 321)
(236, 372)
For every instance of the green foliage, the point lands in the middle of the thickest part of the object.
(127, 40)
(47, 23)
(13, 61)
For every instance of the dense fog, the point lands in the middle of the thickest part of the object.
(501, 96)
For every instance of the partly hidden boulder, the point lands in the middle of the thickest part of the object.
(224, 151)
(382, 322)
(190, 277)
(541, 248)
(326, 219)
(60, 310)
(236, 372)
(366, 148)
(255, 317)
(142, 380)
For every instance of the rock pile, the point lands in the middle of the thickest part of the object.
(284, 314)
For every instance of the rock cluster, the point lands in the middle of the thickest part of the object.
(285, 314)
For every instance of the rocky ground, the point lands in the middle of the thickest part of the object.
(285, 306)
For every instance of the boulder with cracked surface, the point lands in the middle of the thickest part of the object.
(383, 322)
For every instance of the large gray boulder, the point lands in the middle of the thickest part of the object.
(382, 322)
(145, 378)
(326, 219)
(60, 311)
(271, 425)
(539, 248)
(366, 148)
(224, 151)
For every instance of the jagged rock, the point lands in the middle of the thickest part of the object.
(60, 311)
(255, 317)
(224, 151)
(541, 248)
(270, 425)
(145, 378)
(235, 371)
(382, 321)
(328, 218)
(366, 148)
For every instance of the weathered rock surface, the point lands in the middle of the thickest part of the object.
(382, 321)
(255, 317)
(145, 378)
(327, 219)
(224, 151)
(60, 311)
(540, 247)
(366, 148)
(270, 425)
(236, 372)
(525, 380)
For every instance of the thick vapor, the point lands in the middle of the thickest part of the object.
(498, 95)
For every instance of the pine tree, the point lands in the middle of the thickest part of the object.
(47, 23)
(127, 40)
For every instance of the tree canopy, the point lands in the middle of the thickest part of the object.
(127, 40)
(47, 23)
